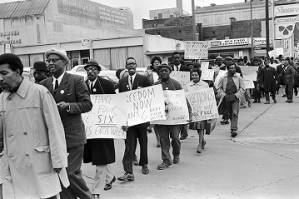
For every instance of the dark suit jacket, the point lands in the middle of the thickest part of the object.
(100, 151)
(139, 81)
(72, 90)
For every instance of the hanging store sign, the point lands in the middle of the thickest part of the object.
(229, 42)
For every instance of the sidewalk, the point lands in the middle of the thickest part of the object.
(262, 162)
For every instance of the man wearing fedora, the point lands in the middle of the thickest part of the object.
(72, 97)
(100, 152)
(40, 71)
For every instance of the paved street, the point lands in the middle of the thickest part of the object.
(262, 162)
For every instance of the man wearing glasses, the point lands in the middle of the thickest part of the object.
(131, 82)
(72, 97)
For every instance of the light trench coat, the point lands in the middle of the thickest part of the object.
(34, 144)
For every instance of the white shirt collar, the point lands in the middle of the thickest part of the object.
(59, 79)
(92, 83)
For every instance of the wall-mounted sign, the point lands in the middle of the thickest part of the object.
(9, 33)
(285, 10)
(229, 42)
(12, 41)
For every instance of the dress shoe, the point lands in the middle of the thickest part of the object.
(224, 122)
(176, 160)
(234, 133)
(109, 185)
(163, 166)
(289, 101)
(284, 95)
(144, 170)
(275, 101)
(267, 102)
(126, 177)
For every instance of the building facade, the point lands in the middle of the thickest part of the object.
(47, 21)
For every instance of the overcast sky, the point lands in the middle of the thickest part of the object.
(141, 8)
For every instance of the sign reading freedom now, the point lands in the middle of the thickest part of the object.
(203, 104)
(144, 104)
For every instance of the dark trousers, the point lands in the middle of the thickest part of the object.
(233, 113)
(256, 92)
(289, 91)
(78, 187)
(135, 132)
(184, 130)
(268, 96)
(166, 131)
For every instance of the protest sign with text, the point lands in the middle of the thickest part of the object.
(106, 118)
(182, 77)
(176, 106)
(144, 104)
(196, 50)
(203, 104)
(207, 74)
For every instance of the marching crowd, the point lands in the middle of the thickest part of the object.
(43, 139)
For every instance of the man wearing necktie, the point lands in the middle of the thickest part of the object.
(131, 82)
(72, 97)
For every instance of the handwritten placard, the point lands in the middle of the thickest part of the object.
(176, 106)
(144, 104)
(106, 118)
(182, 77)
(203, 104)
(248, 83)
(196, 49)
(207, 74)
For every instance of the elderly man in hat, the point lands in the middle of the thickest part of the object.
(289, 75)
(72, 97)
(40, 71)
(100, 152)
(166, 131)
(33, 161)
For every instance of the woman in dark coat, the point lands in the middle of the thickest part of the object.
(268, 77)
(100, 151)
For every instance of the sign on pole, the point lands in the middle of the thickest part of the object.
(106, 118)
(203, 104)
(196, 49)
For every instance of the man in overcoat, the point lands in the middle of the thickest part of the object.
(268, 80)
(289, 75)
(72, 97)
(34, 152)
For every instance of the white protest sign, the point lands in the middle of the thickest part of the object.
(182, 77)
(221, 73)
(203, 104)
(196, 50)
(207, 74)
(248, 83)
(144, 104)
(176, 106)
(106, 118)
(204, 66)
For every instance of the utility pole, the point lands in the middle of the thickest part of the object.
(251, 30)
(267, 27)
(193, 21)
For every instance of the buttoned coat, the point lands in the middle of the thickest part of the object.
(100, 151)
(268, 78)
(34, 143)
(73, 90)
